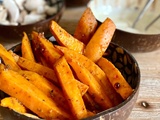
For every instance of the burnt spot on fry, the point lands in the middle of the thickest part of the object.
(52, 93)
(102, 99)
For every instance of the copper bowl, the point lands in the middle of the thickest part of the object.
(124, 13)
(10, 33)
(129, 68)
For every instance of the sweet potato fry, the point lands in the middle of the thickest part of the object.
(100, 40)
(45, 86)
(8, 59)
(70, 89)
(95, 70)
(65, 39)
(17, 86)
(115, 77)
(2, 67)
(86, 27)
(82, 87)
(14, 104)
(91, 104)
(26, 48)
(84, 61)
(38, 68)
(35, 47)
(90, 113)
(96, 91)
(38, 55)
(10, 64)
(4, 52)
(49, 88)
(46, 48)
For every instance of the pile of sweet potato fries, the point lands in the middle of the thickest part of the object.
(67, 80)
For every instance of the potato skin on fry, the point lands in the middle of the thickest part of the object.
(100, 40)
(86, 27)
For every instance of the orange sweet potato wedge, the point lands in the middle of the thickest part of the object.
(82, 60)
(65, 39)
(95, 70)
(91, 104)
(96, 91)
(46, 87)
(14, 104)
(46, 48)
(86, 27)
(30, 96)
(4, 52)
(82, 87)
(8, 59)
(49, 88)
(26, 48)
(100, 40)
(115, 77)
(70, 89)
(38, 68)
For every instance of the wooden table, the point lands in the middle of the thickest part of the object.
(149, 66)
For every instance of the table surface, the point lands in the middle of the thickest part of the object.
(149, 63)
